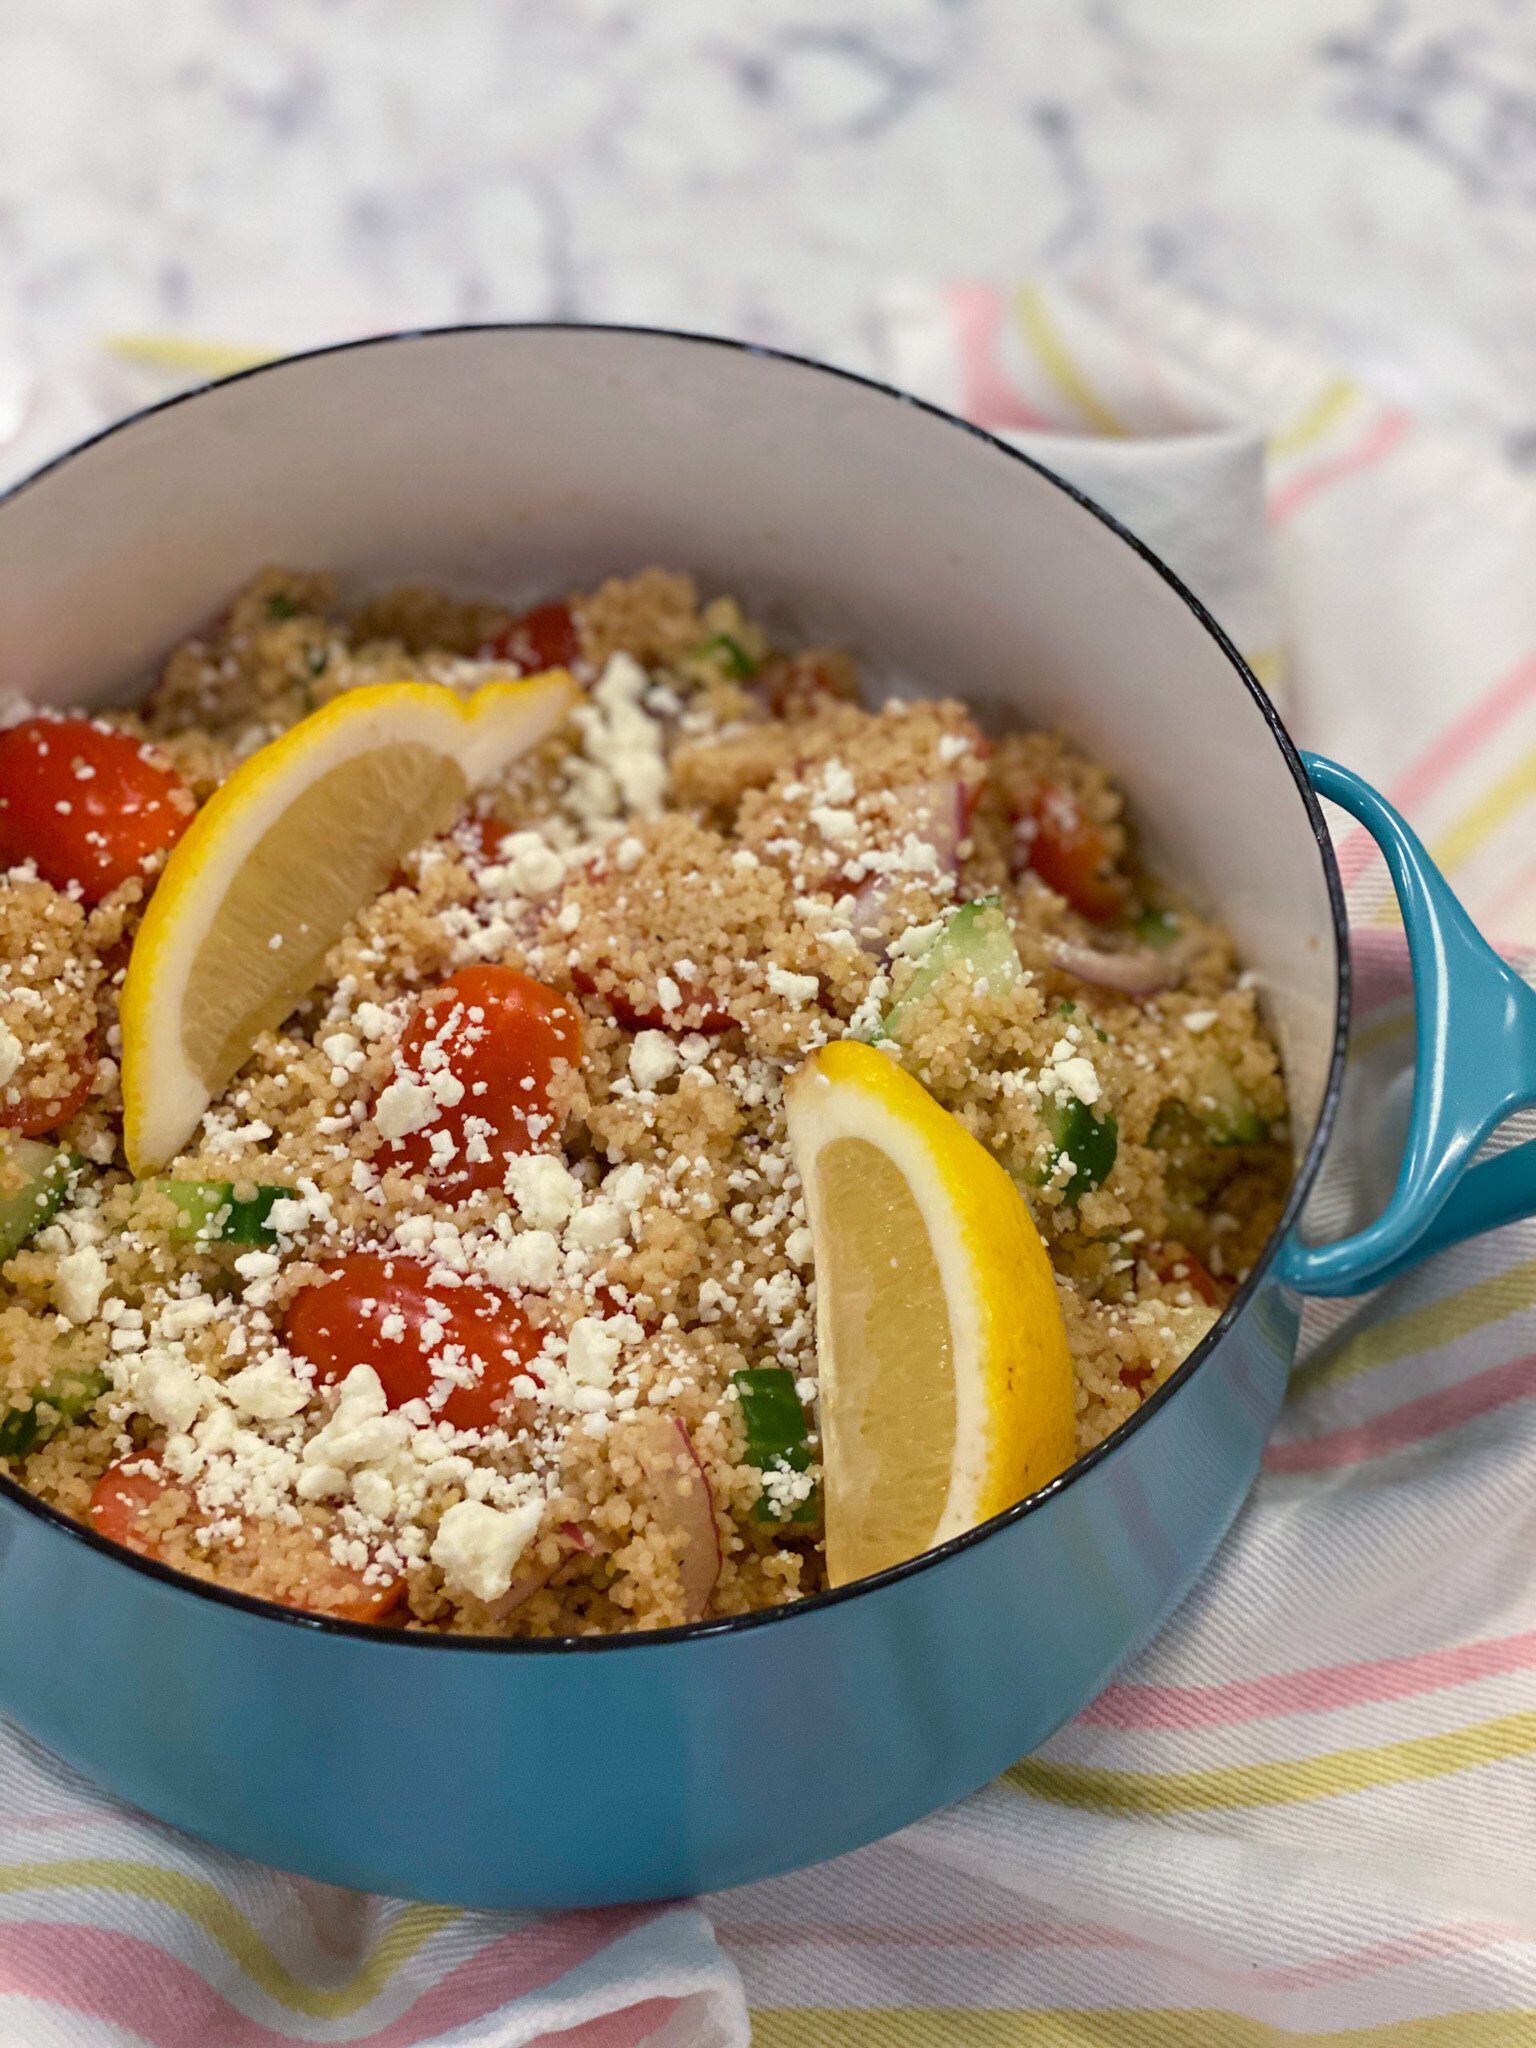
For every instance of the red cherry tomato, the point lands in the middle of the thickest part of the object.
(544, 638)
(122, 1496)
(436, 1335)
(698, 1010)
(1071, 855)
(89, 806)
(497, 1035)
(30, 1116)
(1176, 1263)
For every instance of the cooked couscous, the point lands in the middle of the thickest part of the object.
(482, 1297)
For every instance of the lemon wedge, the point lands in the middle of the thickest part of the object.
(281, 857)
(946, 1382)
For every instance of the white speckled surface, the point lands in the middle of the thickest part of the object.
(1359, 174)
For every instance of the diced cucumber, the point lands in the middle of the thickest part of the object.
(48, 1169)
(209, 1214)
(1158, 927)
(1090, 1142)
(1228, 1111)
(975, 936)
(774, 1423)
(61, 1399)
(731, 655)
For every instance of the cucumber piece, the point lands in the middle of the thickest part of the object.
(976, 936)
(60, 1400)
(209, 1214)
(1228, 1111)
(48, 1169)
(731, 655)
(1090, 1142)
(776, 1433)
(1158, 927)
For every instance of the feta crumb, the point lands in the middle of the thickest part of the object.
(1199, 1020)
(794, 988)
(532, 866)
(532, 1259)
(592, 1351)
(668, 994)
(268, 1390)
(546, 1194)
(10, 1053)
(372, 1019)
(653, 1058)
(78, 1282)
(476, 1545)
(404, 1107)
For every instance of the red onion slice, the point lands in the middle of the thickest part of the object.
(1141, 971)
(677, 1494)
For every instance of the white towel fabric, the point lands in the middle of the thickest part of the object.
(1308, 1812)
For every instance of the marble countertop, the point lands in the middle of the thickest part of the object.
(1357, 174)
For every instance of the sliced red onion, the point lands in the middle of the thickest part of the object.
(933, 810)
(1140, 971)
(572, 1538)
(681, 1504)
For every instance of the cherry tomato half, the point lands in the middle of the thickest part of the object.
(496, 1034)
(420, 1338)
(122, 1496)
(1177, 1264)
(30, 1116)
(1071, 855)
(544, 638)
(89, 806)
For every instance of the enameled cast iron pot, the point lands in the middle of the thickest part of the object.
(525, 460)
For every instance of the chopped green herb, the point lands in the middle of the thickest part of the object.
(281, 606)
(62, 1398)
(774, 1423)
(731, 655)
(23, 1214)
(1065, 1009)
(209, 1213)
(1090, 1142)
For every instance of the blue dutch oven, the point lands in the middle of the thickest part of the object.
(543, 1774)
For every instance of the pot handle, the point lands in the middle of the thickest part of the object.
(1476, 1065)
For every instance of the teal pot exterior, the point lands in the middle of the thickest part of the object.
(629, 1768)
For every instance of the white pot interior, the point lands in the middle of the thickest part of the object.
(521, 461)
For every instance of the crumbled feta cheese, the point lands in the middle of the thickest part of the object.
(794, 988)
(268, 1391)
(546, 1194)
(10, 1053)
(362, 1431)
(79, 1279)
(1199, 1020)
(477, 1545)
(600, 1223)
(288, 1215)
(798, 1246)
(668, 994)
(532, 866)
(532, 1259)
(167, 1389)
(592, 1351)
(403, 1107)
(653, 1058)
